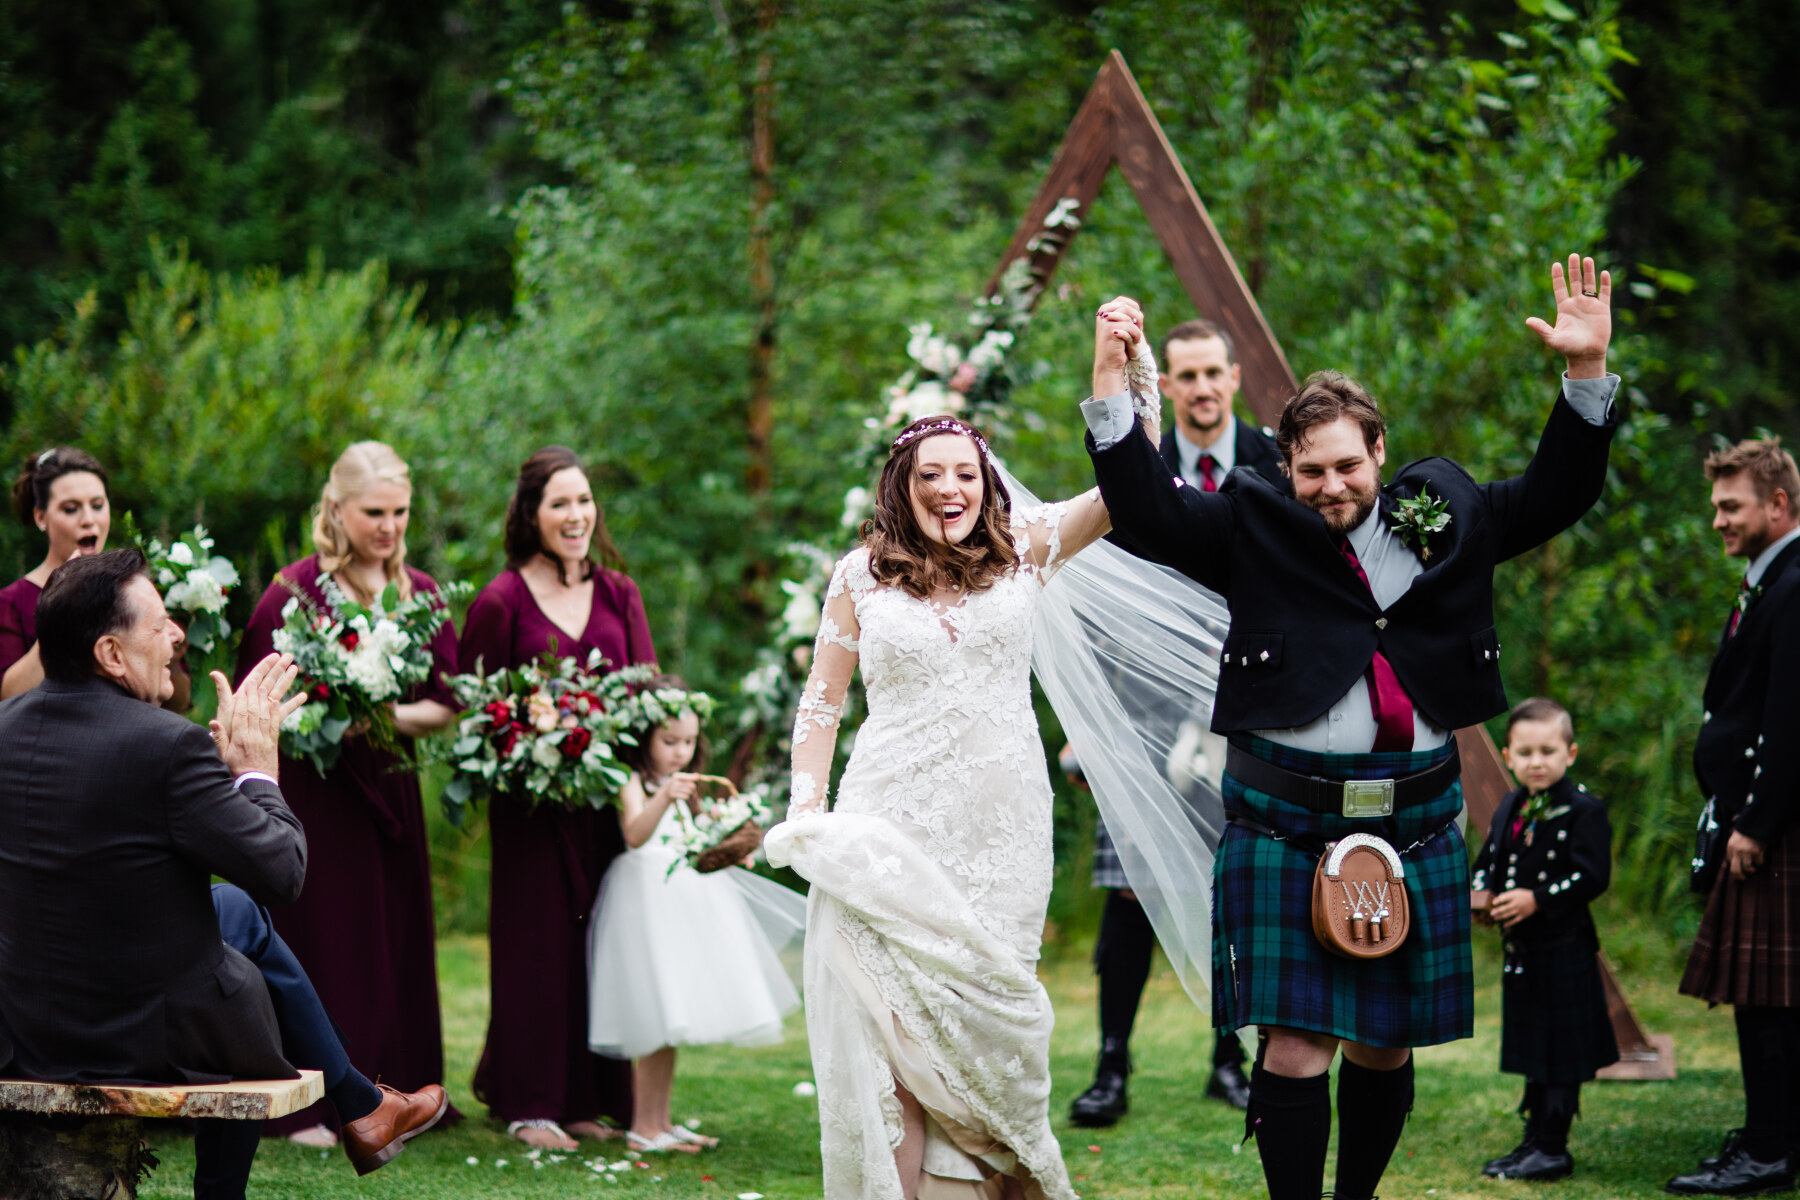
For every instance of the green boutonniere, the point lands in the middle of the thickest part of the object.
(1419, 518)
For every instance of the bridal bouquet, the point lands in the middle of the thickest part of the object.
(194, 583)
(542, 733)
(721, 829)
(355, 661)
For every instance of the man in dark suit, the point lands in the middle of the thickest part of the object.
(1200, 378)
(1362, 636)
(117, 813)
(1747, 761)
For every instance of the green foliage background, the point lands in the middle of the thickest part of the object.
(241, 233)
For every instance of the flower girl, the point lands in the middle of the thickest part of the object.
(678, 957)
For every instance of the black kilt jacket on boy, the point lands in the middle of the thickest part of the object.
(1555, 1029)
(1747, 762)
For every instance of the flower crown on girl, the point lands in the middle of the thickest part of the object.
(644, 710)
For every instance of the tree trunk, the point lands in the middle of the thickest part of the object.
(72, 1158)
(760, 423)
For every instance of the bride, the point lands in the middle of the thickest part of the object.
(931, 874)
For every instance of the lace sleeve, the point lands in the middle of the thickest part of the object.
(822, 699)
(1049, 535)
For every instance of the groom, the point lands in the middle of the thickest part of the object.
(1362, 636)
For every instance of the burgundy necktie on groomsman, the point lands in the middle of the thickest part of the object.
(1737, 608)
(1393, 707)
(1208, 478)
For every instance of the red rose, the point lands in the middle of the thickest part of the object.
(321, 693)
(574, 743)
(510, 738)
(349, 639)
(499, 714)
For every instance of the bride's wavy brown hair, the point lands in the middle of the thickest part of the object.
(903, 554)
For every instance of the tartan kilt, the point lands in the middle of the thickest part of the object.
(1748, 948)
(1269, 968)
(1554, 1026)
(1107, 871)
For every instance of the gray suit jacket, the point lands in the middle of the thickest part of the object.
(114, 816)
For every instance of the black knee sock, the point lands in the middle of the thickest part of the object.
(354, 1097)
(1122, 955)
(1553, 1109)
(1372, 1109)
(1291, 1119)
(1763, 1036)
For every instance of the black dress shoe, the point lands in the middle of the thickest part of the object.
(1230, 1084)
(1503, 1165)
(1737, 1174)
(1540, 1164)
(1103, 1104)
(1734, 1138)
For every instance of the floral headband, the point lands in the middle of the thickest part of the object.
(943, 425)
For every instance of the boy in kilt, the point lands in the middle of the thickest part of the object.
(1362, 635)
(1747, 762)
(1548, 855)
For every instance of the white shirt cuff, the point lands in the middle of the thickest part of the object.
(241, 780)
(1109, 418)
(1591, 398)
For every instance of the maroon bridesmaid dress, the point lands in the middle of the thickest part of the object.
(547, 866)
(18, 620)
(363, 925)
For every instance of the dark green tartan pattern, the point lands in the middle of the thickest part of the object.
(1269, 969)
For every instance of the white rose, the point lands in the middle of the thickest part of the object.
(222, 570)
(990, 351)
(930, 398)
(181, 555)
(800, 619)
(198, 593)
(371, 673)
(938, 355)
(856, 507)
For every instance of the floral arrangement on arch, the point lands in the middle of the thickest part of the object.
(545, 732)
(194, 583)
(355, 662)
(971, 376)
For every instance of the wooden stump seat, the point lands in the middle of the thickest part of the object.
(84, 1141)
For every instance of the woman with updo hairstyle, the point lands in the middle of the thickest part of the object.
(364, 928)
(61, 491)
(564, 592)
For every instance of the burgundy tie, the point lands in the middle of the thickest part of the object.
(1393, 707)
(1737, 610)
(1208, 465)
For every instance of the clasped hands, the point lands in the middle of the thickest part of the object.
(1742, 855)
(247, 727)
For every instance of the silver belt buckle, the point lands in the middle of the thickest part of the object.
(1368, 798)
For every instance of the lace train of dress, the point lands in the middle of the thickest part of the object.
(930, 882)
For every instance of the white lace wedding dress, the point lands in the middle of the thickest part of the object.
(930, 878)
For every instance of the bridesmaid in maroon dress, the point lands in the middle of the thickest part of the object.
(536, 1072)
(363, 926)
(62, 492)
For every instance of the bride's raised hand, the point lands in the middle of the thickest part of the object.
(1118, 327)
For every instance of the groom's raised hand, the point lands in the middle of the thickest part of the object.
(1118, 327)
(1583, 317)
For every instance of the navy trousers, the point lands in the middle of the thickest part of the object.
(224, 1150)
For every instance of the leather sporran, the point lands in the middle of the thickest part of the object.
(1709, 850)
(1359, 905)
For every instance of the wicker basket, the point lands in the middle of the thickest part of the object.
(738, 843)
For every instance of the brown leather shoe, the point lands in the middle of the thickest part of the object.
(373, 1140)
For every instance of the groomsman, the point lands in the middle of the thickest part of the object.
(1747, 761)
(1200, 377)
(1362, 636)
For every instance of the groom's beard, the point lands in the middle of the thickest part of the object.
(1346, 512)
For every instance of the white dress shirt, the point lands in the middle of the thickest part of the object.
(1348, 726)
(1223, 451)
(1760, 564)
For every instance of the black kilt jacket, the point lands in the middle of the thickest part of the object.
(1554, 1024)
(114, 816)
(1747, 757)
(1304, 627)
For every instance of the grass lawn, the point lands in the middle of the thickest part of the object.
(1630, 1138)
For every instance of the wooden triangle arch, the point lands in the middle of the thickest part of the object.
(1115, 126)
